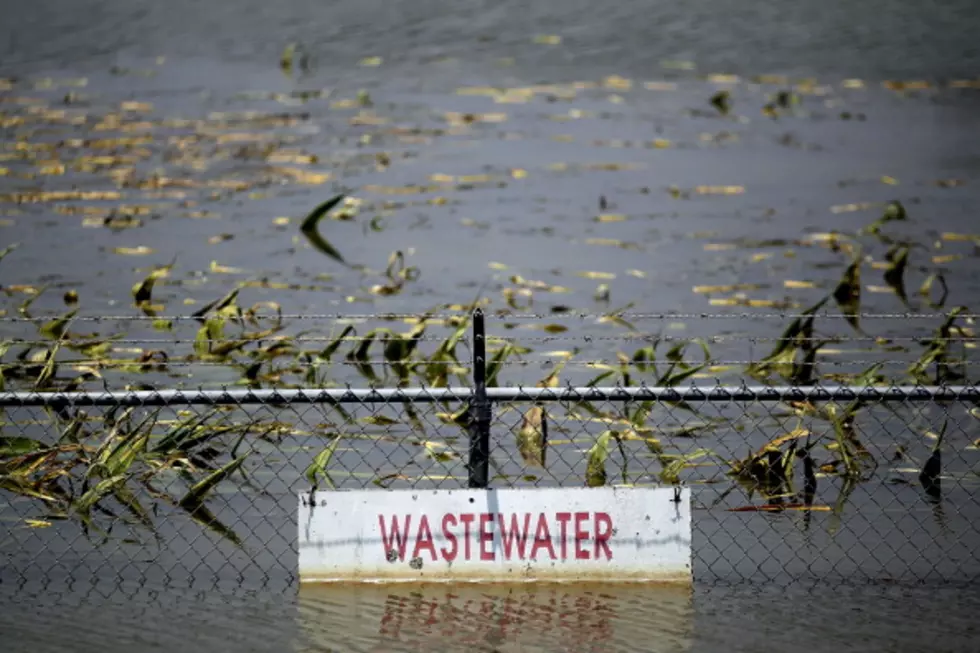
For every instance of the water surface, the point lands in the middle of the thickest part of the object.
(205, 79)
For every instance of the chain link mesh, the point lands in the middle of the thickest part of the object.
(199, 488)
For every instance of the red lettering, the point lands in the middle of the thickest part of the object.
(486, 519)
(603, 531)
(563, 519)
(467, 519)
(423, 540)
(542, 538)
(450, 555)
(396, 536)
(581, 536)
(515, 533)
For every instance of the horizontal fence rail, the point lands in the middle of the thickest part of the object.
(243, 397)
(822, 481)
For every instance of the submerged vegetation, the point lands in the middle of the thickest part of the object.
(123, 465)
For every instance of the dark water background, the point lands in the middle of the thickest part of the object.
(215, 51)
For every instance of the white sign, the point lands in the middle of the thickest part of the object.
(609, 534)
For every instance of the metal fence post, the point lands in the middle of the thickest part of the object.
(479, 408)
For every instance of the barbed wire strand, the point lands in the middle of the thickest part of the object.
(288, 339)
(109, 363)
(346, 317)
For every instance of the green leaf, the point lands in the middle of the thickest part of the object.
(894, 212)
(320, 463)
(84, 504)
(497, 363)
(869, 376)
(15, 446)
(209, 336)
(673, 465)
(181, 432)
(676, 358)
(7, 250)
(847, 294)
(218, 304)
(926, 289)
(199, 491)
(532, 438)
(200, 513)
(309, 229)
(335, 344)
(595, 473)
(124, 454)
(132, 504)
(48, 371)
(57, 327)
(898, 259)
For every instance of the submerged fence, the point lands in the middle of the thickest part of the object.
(801, 482)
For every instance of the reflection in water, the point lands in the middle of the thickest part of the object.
(483, 617)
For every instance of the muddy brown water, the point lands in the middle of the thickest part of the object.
(543, 165)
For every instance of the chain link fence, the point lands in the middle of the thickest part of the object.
(817, 482)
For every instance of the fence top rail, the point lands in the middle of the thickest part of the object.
(241, 396)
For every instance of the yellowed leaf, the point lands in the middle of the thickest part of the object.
(848, 208)
(304, 176)
(611, 242)
(61, 196)
(723, 79)
(610, 217)
(365, 118)
(913, 85)
(596, 275)
(725, 288)
(547, 39)
(617, 82)
(217, 268)
(456, 118)
(719, 190)
(141, 250)
(139, 107)
(52, 169)
(291, 156)
(790, 283)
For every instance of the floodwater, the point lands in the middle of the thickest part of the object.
(475, 187)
